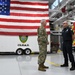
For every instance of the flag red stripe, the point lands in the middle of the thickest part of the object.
(21, 21)
(29, 15)
(18, 33)
(29, 3)
(20, 27)
(28, 9)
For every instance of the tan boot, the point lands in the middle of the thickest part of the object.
(45, 66)
(40, 68)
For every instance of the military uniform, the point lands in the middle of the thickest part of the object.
(42, 42)
(67, 46)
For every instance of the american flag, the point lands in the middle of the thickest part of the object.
(19, 17)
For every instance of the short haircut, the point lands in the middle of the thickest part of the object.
(42, 20)
(65, 21)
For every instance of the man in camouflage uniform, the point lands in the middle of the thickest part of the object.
(42, 42)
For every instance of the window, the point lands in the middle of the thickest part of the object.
(55, 3)
(60, 0)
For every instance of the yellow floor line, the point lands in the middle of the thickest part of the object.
(59, 51)
(52, 63)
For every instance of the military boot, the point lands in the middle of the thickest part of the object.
(45, 66)
(40, 68)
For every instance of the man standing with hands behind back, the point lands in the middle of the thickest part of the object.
(42, 42)
(68, 37)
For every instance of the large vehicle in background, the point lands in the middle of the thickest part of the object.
(73, 27)
(20, 44)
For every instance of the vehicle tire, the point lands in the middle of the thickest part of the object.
(19, 51)
(27, 51)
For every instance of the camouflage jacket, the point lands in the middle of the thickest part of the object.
(42, 35)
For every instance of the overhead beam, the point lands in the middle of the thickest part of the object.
(51, 10)
(57, 11)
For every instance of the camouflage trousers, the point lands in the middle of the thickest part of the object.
(42, 53)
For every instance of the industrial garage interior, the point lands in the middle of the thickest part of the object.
(19, 49)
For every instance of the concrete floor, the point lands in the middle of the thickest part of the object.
(27, 65)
